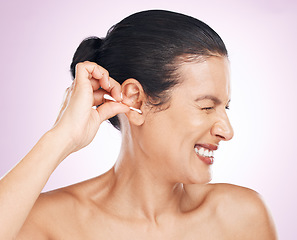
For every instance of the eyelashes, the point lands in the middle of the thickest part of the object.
(211, 108)
(207, 108)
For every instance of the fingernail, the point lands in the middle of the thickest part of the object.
(121, 95)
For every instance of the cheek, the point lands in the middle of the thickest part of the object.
(161, 140)
(196, 126)
(174, 132)
(160, 133)
(201, 124)
(168, 141)
(170, 135)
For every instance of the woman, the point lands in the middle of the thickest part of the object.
(174, 69)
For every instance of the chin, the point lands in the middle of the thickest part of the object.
(199, 178)
(197, 173)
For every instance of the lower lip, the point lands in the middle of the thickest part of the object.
(207, 160)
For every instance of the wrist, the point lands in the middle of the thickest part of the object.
(61, 143)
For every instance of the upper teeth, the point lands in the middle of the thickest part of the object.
(204, 152)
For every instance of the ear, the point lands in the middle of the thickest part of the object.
(134, 96)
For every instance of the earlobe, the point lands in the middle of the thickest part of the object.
(133, 96)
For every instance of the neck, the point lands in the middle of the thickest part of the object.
(138, 189)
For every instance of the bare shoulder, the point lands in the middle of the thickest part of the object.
(52, 212)
(242, 210)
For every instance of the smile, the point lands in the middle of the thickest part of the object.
(205, 154)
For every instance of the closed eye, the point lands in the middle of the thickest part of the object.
(207, 108)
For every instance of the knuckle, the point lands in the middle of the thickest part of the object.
(102, 69)
(105, 72)
(79, 65)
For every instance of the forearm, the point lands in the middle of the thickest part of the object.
(20, 188)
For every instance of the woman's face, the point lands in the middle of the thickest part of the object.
(179, 140)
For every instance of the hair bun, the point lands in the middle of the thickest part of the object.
(86, 51)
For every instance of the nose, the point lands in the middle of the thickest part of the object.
(222, 128)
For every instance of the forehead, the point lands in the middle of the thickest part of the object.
(210, 77)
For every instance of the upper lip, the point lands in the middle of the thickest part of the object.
(208, 146)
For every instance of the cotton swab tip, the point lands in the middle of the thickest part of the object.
(108, 97)
(135, 109)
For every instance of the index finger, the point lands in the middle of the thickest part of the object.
(87, 71)
(115, 89)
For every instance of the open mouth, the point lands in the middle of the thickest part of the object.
(205, 153)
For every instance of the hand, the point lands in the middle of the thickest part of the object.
(77, 120)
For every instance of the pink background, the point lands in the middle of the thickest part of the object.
(38, 39)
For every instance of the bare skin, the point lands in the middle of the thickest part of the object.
(158, 187)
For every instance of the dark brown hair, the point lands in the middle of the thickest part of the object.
(149, 46)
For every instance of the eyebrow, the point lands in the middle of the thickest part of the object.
(213, 98)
